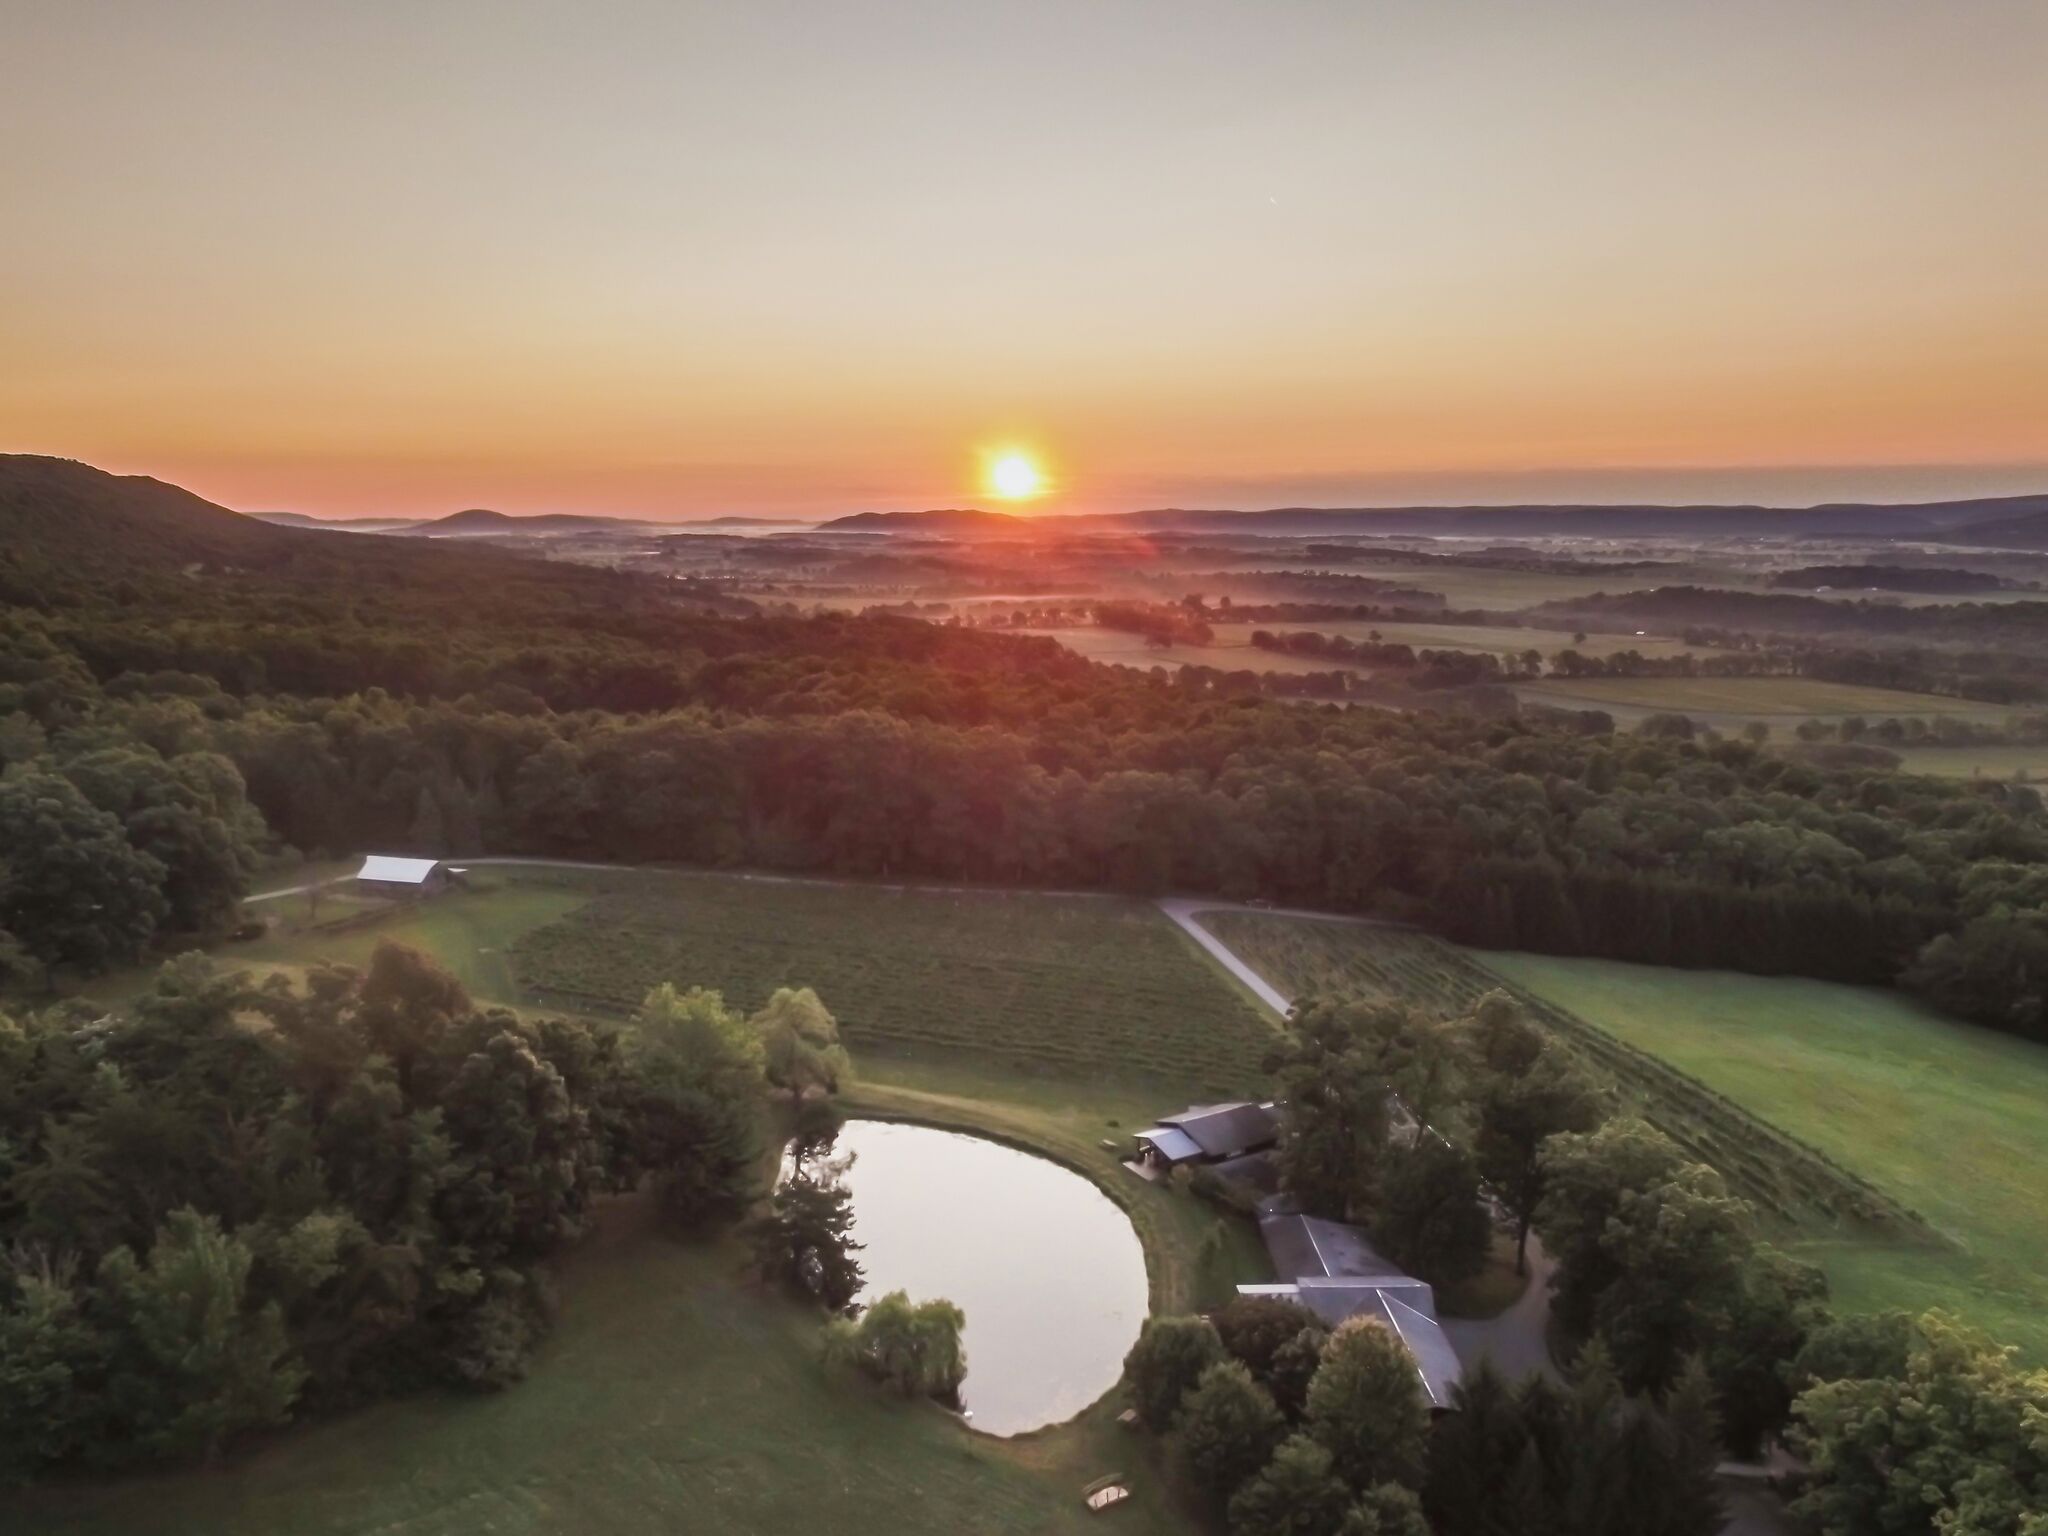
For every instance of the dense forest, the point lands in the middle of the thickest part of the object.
(164, 720)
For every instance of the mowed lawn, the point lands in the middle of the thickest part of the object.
(671, 1398)
(1949, 1118)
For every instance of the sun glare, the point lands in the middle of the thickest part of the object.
(1015, 477)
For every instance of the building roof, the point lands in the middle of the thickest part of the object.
(1396, 1302)
(387, 870)
(1175, 1145)
(1225, 1130)
(1308, 1245)
(1338, 1275)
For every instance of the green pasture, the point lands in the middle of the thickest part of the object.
(1949, 1118)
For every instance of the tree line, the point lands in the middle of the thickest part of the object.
(228, 1205)
(1690, 1334)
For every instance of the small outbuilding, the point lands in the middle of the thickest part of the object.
(1209, 1133)
(384, 874)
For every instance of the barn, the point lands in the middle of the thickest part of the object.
(384, 874)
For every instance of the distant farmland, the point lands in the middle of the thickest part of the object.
(1736, 700)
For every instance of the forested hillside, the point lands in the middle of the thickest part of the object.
(357, 693)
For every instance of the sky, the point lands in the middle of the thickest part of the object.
(671, 259)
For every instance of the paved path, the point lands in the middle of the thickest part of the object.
(1516, 1340)
(1182, 910)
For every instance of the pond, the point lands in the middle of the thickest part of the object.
(1048, 1270)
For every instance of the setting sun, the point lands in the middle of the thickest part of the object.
(1015, 477)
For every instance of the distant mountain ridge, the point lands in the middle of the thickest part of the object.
(1983, 519)
(481, 520)
(65, 512)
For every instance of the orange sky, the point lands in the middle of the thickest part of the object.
(668, 259)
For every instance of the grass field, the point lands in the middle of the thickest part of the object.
(671, 1396)
(1067, 985)
(1733, 701)
(2021, 764)
(1792, 1182)
(1949, 1118)
(1904, 1152)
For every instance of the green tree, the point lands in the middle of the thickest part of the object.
(1334, 1124)
(1474, 1454)
(1958, 1442)
(1229, 1428)
(804, 1241)
(913, 1347)
(697, 1067)
(1650, 1248)
(800, 1043)
(48, 1352)
(1165, 1363)
(1366, 1405)
(1522, 1103)
(192, 1359)
(1297, 1494)
(1385, 1509)
(1431, 1221)
(1254, 1328)
(72, 889)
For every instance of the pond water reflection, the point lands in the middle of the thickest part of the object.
(1048, 1270)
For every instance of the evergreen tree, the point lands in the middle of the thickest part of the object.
(1229, 1428)
(1366, 1406)
(1297, 1494)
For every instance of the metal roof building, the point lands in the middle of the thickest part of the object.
(1338, 1275)
(386, 869)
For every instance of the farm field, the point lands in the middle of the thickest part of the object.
(1125, 650)
(2009, 763)
(1492, 639)
(1082, 985)
(1481, 587)
(1733, 701)
(1949, 1118)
